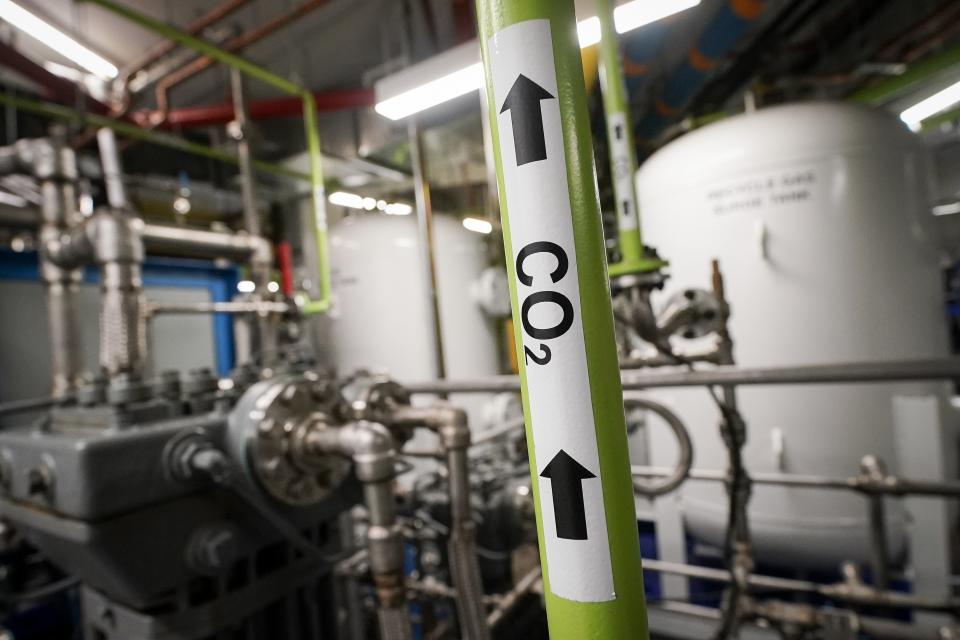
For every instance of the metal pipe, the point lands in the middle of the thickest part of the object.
(195, 28)
(852, 373)
(451, 425)
(874, 470)
(888, 485)
(509, 600)
(421, 192)
(374, 455)
(239, 307)
(844, 592)
(202, 243)
(311, 131)
(234, 45)
(264, 325)
(112, 172)
(54, 164)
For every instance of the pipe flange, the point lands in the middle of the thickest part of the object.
(266, 431)
(374, 397)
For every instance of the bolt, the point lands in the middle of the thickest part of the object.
(39, 481)
(266, 428)
(289, 394)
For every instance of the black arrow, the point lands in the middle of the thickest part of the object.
(524, 101)
(567, 476)
(618, 131)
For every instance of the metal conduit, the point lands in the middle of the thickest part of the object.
(861, 372)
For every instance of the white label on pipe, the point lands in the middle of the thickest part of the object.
(620, 166)
(557, 385)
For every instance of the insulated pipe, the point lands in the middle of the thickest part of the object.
(450, 423)
(322, 300)
(372, 449)
(852, 373)
(573, 402)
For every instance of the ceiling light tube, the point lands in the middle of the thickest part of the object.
(478, 225)
(56, 40)
(458, 71)
(940, 101)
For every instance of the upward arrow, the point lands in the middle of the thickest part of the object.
(567, 476)
(523, 101)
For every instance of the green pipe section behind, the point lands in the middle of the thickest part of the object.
(129, 130)
(623, 160)
(620, 612)
(321, 304)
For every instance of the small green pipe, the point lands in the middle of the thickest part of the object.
(59, 112)
(322, 304)
(569, 374)
(917, 73)
(623, 160)
(938, 119)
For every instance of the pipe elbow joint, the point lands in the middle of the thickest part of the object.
(372, 448)
(453, 427)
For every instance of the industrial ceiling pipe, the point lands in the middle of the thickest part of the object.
(234, 45)
(268, 109)
(197, 27)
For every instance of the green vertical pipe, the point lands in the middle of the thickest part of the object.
(322, 304)
(616, 108)
(623, 161)
(624, 616)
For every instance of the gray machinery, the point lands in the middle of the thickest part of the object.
(191, 511)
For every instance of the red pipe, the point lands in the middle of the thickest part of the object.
(285, 260)
(217, 114)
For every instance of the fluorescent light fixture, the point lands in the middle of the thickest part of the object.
(398, 209)
(933, 105)
(344, 199)
(353, 201)
(246, 286)
(630, 16)
(478, 225)
(946, 209)
(432, 93)
(458, 71)
(56, 40)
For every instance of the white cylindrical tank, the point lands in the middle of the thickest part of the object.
(816, 213)
(382, 320)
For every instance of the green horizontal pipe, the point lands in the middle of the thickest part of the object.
(200, 46)
(311, 132)
(935, 121)
(59, 112)
(915, 74)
